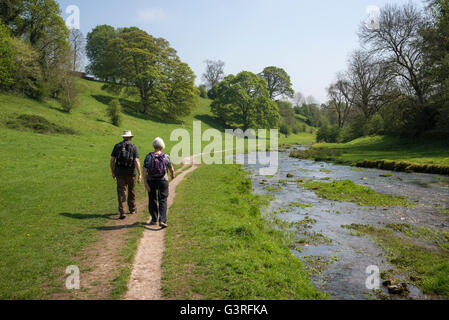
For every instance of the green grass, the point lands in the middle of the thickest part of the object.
(348, 191)
(395, 149)
(303, 138)
(419, 253)
(57, 188)
(219, 247)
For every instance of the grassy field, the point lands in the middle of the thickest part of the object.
(389, 148)
(219, 247)
(57, 188)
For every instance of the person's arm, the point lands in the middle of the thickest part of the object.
(172, 172)
(112, 165)
(139, 170)
(145, 179)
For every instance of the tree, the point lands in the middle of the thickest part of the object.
(397, 40)
(298, 99)
(436, 55)
(135, 59)
(10, 10)
(77, 42)
(340, 95)
(278, 82)
(96, 45)
(244, 100)
(27, 77)
(369, 83)
(7, 65)
(214, 73)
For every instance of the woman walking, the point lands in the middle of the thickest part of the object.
(155, 176)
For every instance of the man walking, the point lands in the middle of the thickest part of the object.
(124, 161)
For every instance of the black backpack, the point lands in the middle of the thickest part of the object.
(125, 156)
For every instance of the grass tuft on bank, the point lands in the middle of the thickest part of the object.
(346, 190)
(387, 153)
(218, 245)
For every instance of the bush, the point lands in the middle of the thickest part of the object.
(284, 128)
(328, 134)
(114, 112)
(68, 94)
(203, 91)
(375, 126)
(37, 124)
(212, 93)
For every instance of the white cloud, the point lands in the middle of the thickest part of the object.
(151, 14)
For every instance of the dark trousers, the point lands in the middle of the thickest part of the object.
(123, 183)
(158, 200)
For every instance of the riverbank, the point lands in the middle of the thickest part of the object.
(218, 245)
(385, 153)
(347, 219)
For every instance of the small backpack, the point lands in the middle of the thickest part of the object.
(125, 157)
(157, 165)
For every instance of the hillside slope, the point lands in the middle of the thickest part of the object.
(57, 188)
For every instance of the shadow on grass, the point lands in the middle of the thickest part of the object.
(121, 227)
(133, 109)
(211, 121)
(85, 216)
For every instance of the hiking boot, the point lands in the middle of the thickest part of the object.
(163, 225)
(152, 223)
(122, 217)
(133, 212)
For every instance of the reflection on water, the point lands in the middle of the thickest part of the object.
(343, 259)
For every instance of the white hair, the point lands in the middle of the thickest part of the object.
(158, 144)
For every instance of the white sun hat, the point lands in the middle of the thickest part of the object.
(127, 134)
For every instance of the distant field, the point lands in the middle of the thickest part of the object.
(389, 148)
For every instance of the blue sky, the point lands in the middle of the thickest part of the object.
(310, 39)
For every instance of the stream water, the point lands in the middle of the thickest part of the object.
(345, 273)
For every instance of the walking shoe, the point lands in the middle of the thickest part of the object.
(122, 217)
(152, 223)
(133, 212)
(163, 225)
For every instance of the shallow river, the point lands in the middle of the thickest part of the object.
(344, 277)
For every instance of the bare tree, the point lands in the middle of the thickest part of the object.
(310, 100)
(77, 42)
(369, 83)
(340, 99)
(214, 73)
(298, 99)
(397, 41)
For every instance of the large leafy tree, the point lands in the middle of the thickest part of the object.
(136, 60)
(278, 82)
(244, 100)
(97, 42)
